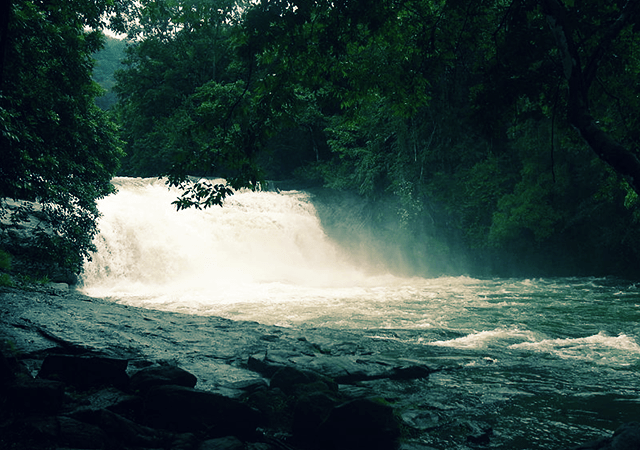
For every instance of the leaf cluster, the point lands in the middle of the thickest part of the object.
(58, 147)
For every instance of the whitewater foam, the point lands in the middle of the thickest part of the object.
(599, 348)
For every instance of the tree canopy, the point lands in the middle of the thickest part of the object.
(58, 147)
(498, 126)
(494, 129)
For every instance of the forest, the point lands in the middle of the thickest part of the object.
(498, 137)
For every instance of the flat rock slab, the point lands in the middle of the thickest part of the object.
(214, 349)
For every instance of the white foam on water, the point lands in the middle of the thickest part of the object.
(488, 339)
(599, 348)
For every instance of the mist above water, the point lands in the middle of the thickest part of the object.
(145, 246)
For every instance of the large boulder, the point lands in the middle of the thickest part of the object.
(309, 414)
(183, 409)
(161, 375)
(57, 431)
(361, 423)
(35, 396)
(85, 372)
(627, 437)
(294, 381)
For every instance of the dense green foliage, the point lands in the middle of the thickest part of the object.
(478, 134)
(458, 119)
(58, 147)
(108, 61)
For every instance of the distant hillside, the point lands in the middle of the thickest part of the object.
(107, 62)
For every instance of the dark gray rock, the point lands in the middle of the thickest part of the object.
(260, 446)
(223, 443)
(6, 372)
(291, 380)
(116, 401)
(85, 372)
(361, 423)
(184, 441)
(64, 431)
(32, 395)
(183, 409)
(81, 435)
(350, 369)
(131, 433)
(626, 437)
(274, 406)
(263, 366)
(309, 414)
(160, 375)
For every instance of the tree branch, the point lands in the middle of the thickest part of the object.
(623, 160)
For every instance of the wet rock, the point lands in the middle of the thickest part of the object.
(85, 371)
(115, 401)
(184, 441)
(263, 366)
(291, 380)
(352, 369)
(414, 372)
(223, 443)
(39, 396)
(310, 412)
(482, 437)
(627, 437)
(65, 431)
(183, 409)
(274, 406)
(80, 435)
(6, 371)
(250, 385)
(361, 423)
(420, 420)
(260, 446)
(131, 433)
(160, 375)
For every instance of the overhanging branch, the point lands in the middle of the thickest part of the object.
(622, 159)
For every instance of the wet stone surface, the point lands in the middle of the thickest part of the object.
(295, 388)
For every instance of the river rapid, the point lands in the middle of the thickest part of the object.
(534, 363)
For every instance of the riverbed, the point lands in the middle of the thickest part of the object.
(518, 397)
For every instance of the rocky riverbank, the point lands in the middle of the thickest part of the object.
(80, 372)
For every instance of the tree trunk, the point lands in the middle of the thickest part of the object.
(623, 160)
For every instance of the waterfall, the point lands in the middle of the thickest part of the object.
(146, 246)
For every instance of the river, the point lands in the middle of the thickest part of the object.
(545, 362)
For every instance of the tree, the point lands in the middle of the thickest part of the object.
(108, 60)
(188, 101)
(453, 112)
(581, 62)
(485, 140)
(58, 147)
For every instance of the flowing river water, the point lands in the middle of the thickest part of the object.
(547, 362)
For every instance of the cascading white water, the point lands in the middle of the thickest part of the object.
(146, 248)
(250, 259)
(265, 257)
